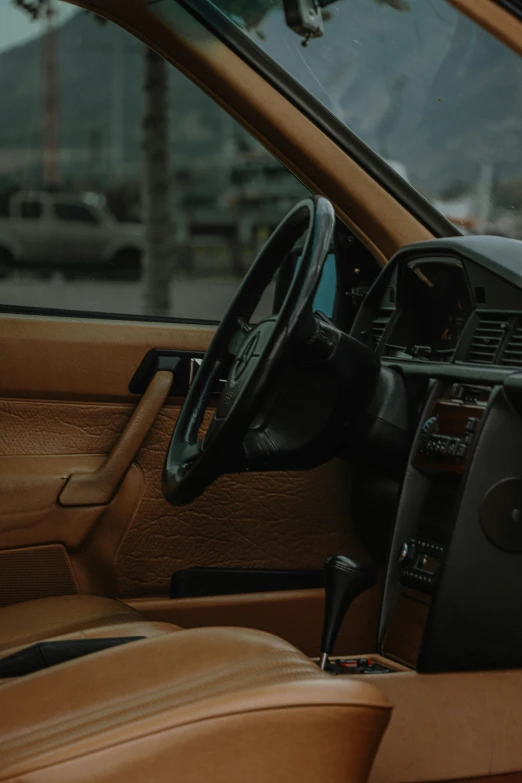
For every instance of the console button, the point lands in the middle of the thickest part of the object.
(431, 444)
(471, 424)
(461, 450)
(457, 391)
(452, 447)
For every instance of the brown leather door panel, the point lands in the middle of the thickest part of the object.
(41, 540)
(83, 359)
(63, 406)
(295, 615)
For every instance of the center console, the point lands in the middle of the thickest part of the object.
(449, 428)
(453, 588)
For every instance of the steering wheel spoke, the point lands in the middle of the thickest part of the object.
(239, 337)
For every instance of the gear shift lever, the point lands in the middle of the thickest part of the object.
(345, 579)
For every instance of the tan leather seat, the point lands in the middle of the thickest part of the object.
(208, 705)
(71, 616)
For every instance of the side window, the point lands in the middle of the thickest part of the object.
(327, 289)
(184, 196)
(73, 213)
(31, 210)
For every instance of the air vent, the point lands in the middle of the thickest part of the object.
(488, 334)
(379, 324)
(512, 353)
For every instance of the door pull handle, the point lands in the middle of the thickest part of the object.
(98, 488)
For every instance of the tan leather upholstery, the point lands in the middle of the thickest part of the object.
(294, 615)
(450, 726)
(227, 526)
(72, 616)
(99, 487)
(205, 705)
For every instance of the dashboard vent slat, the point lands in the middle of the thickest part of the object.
(379, 325)
(487, 337)
(512, 353)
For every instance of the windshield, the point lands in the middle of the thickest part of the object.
(426, 88)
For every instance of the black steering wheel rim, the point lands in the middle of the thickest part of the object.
(257, 351)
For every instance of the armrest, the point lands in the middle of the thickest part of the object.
(98, 488)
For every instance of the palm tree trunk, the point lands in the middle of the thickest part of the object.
(156, 186)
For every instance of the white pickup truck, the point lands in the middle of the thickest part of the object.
(50, 230)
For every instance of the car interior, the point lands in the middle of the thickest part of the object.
(283, 546)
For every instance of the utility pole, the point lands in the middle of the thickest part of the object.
(117, 111)
(483, 197)
(156, 186)
(50, 125)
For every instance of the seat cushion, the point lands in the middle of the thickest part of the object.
(71, 616)
(208, 705)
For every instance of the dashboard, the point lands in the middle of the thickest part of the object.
(448, 301)
(435, 304)
(445, 319)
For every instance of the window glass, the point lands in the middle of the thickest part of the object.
(31, 210)
(327, 289)
(173, 203)
(435, 95)
(73, 213)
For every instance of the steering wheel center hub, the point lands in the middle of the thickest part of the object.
(245, 356)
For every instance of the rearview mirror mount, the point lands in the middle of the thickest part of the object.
(305, 17)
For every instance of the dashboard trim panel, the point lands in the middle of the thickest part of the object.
(465, 614)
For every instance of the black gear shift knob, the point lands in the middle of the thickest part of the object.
(345, 579)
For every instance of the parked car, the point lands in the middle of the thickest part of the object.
(66, 230)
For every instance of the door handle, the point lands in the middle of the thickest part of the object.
(98, 488)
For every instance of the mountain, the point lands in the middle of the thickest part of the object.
(100, 102)
(424, 87)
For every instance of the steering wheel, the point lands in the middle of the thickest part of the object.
(251, 357)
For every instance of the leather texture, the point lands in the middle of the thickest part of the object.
(264, 520)
(132, 546)
(30, 516)
(515, 777)
(294, 615)
(84, 358)
(237, 705)
(99, 487)
(285, 520)
(29, 490)
(70, 616)
(450, 726)
(35, 572)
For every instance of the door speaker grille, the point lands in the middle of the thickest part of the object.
(35, 572)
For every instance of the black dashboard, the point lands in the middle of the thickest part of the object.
(435, 303)
(445, 319)
(448, 302)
